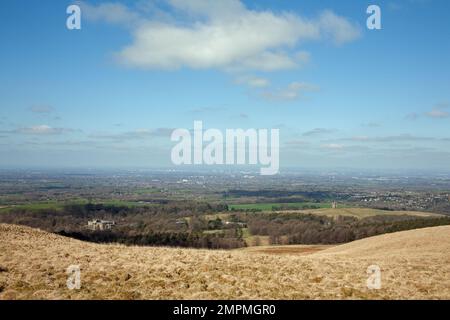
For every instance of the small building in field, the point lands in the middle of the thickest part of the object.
(235, 224)
(334, 205)
(181, 222)
(100, 225)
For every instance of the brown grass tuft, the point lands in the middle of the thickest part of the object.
(415, 265)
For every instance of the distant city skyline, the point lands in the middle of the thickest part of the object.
(109, 95)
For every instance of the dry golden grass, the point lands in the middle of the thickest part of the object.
(298, 250)
(415, 264)
(362, 212)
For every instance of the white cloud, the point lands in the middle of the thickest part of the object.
(291, 92)
(337, 28)
(115, 13)
(371, 124)
(398, 138)
(296, 143)
(42, 130)
(237, 45)
(318, 131)
(138, 134)
(223, 10)
(223, 35)
(333, 146)
(438, 113)
(252, 81)
(302, 57)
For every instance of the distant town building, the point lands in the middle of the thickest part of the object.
(181, 222)
(334, 205)
(236, 224)
(100, 225)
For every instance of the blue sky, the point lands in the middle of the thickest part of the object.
(110, 94)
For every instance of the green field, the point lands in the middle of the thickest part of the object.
(59, 205)
(143, 191)
(270, 206)
(33, 206)
(368, 212)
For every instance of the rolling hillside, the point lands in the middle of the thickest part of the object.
(415, 264)
(364, 212)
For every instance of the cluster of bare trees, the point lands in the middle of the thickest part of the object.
(167, 239)
(311, 229)
(193, 224)
(180, 224)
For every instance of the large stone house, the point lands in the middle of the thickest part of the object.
(100, 225)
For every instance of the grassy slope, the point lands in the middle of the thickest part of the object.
(269, 206)
(364, 212)
(415, 264)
